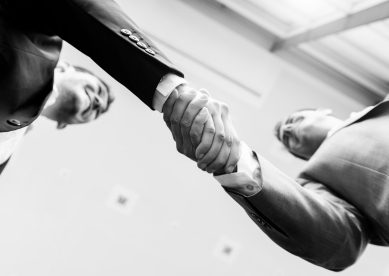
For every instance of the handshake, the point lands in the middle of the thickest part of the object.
(202, 129)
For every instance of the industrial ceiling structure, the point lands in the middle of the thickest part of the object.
(344, 40)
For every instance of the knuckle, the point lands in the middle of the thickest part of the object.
(174, 121)
(202, 117)
(210, 130)
(198, 105)
(214, 104)
(220, 137)
(218, 104)
(237, 142)
(201, 167)
(210, 170)
(204, 97)
(166, 119)
(179, 149)
(214, 165)
(218, 167)
(192, 132)
(194, 136)
(229, 141)
(192, 91)
(203, 100)
(225, 108)
(187, 93)
(182, 98)
(185, 123)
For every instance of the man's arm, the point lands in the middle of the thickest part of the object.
(305, 218)
(101, 30)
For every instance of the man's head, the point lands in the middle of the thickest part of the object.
(303, 131)
(79, 96)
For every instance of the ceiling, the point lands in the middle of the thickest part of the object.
(347, 39)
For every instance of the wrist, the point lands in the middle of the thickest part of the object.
(247, 180)
(166, 86)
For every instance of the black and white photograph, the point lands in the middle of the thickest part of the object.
(194, 137)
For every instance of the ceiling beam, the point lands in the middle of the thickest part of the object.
(234, 21)
(369, 15)
(310, 63)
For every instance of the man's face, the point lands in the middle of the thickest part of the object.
(302, 132)
(81, 92)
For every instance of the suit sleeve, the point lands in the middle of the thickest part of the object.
(94, 27)
(308, 220)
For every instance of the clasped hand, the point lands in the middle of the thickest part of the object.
(202, 129)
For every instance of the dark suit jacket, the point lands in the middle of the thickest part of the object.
(30, 44)
(340, 201)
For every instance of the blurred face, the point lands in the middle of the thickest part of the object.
(303, 132)
(81, 96)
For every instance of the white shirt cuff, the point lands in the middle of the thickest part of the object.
(248, 166)
(165, 87)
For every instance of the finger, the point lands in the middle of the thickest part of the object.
(233, 143)
(197, 128)
(180, 105)
(206, 140)
(204, 91)
(223, 156)
(234, 147)
(234, 156)
(189, 116)
(232, 140)
(167, 108)
(217, 142)
(221, 159)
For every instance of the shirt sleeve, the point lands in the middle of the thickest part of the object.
(246, 180)
(165, 87)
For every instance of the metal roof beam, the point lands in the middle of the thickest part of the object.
(242, 25)
(369, 15)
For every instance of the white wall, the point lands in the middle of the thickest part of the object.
(53, 195)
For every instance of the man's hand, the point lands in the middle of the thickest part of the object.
(202, 129)
(184, 101)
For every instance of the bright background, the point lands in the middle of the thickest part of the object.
(59, 195)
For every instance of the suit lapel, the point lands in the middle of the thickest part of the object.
(368, 111)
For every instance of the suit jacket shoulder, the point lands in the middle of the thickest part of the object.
(99, 29)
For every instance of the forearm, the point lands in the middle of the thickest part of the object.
(95, 28)
(310, 222)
